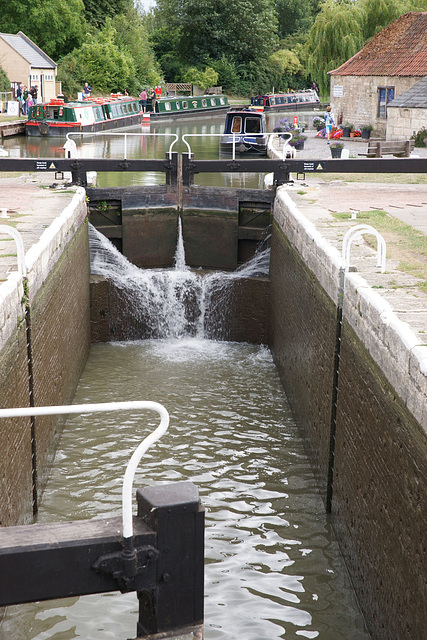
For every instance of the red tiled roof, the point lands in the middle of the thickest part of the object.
(399, 50)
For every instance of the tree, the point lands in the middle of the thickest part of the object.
(336, 35)
(131, 37)
(97, 11)
(294, 16)
(55, 26)
(100, 63)
(203, 79)
(282, 65)
(381, 13)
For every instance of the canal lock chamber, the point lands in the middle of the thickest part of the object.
(299, 320)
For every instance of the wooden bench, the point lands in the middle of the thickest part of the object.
(379, 148)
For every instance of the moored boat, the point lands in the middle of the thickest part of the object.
(179, 106)
(245, 131)
(57, 117)
(283, 101)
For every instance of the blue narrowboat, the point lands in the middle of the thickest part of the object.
(57, 117)
(245, 130)
(294, 101)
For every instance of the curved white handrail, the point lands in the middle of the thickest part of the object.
(5, 228)
(138, 453)
(356, 232)
(126, 135)
(220, 135)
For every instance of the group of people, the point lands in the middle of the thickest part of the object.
(154, 95)
(26, 97)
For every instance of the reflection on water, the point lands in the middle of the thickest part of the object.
(272, 566)
(148, 146)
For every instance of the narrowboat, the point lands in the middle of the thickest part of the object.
(245, 130)
(179, 106)
(283, 101)
(57, 117)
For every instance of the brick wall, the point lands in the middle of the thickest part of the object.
(15, 434)
(60, 338)
(379, 500)
(302, 336)
(380, 496)
(58, 285)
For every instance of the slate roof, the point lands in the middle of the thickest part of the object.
(414, 98)
(28, 50)
(398, 50)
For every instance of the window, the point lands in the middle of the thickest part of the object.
(385, 95)
(236, 125)
(222, 101)
(213, 103)
(178, 106)
(204, 102)
(253, 125)
(167, 106)
(185, 105)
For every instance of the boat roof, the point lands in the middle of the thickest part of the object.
(90, 102)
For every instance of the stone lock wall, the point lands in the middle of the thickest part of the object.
(379, 489)
(58, 301)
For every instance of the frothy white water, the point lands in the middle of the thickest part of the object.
(168, 303)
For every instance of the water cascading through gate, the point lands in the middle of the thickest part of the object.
(168, 303)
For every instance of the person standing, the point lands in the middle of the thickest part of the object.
(329, 121)
(153, 96)
(143, 100)
(25, 94)
(86, 91)
(33, 92)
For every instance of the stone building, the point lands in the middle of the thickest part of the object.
(407, 113)
(387, 66)
(25, 63)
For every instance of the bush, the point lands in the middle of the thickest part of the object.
(4, 81)
(420, 137)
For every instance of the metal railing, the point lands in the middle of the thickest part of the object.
(73, 147)
(356, 232)
(137, 455)
(4, 228)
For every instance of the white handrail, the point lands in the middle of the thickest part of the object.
(5, 228)
(138, 453)
(220, 135)
(354, 233)
(124, 134)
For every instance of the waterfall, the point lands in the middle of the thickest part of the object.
(167, 303)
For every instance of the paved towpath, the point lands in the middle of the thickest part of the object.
(319, 201)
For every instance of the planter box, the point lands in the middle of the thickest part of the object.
(366, 134)
(336, 153)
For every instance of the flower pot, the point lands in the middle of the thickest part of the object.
(299, 145)
(336, 153)
(366, 134)
(352, 134)
(346, 132)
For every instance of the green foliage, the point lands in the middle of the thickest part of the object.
(294, 16)
(131, 37)
(203, 79)
(4, 81)
(336, 35)
(100, 63)
(97, 11)
(66, 23)
(381, 13)
(420, 137)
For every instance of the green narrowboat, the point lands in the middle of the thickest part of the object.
(179, 106)
(57, 117)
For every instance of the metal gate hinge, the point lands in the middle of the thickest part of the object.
(140, 576)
